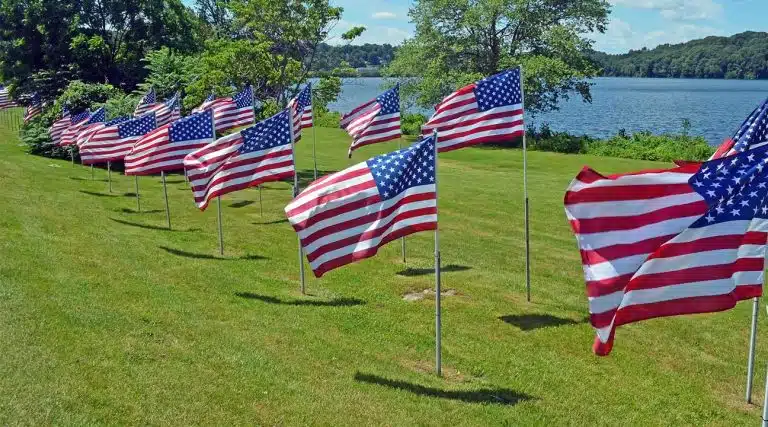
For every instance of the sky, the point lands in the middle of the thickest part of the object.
(633, 23)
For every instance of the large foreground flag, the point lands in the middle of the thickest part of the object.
(375, 121)
(70, 135)
(34, 109)
(751, 132)
(75, 122)
(59, 126)
(88, 131)
(113, 143)
(250, 157)
(230, 113)
(164, 148)
(490, 110)
(5, 98)
(301, 107)
(147, 103)
(346, 217)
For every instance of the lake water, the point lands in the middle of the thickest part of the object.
(715, 108)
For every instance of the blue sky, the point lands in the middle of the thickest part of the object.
(634, 23)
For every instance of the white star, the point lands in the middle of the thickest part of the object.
(710, 218)
(735, 212)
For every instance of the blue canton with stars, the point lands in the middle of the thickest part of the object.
(389, 101)
(753, 131)
(210, 98)
(499, 90)
(77, 118)
(35, 99)
(117, 120)
(137, 127)
(245, 98)
(403, 169)
(304, 98)
(99, 116)
(174, 102)
(267, 134)
(149, 98)
(734, 187)
(193, 127)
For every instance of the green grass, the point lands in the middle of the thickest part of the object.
(107, 318)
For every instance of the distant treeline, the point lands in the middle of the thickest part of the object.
(369, 57)
(742, 56)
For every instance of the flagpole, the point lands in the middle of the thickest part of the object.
(296, 193)
(752, 348)
(402, 239)
(72, 154)
(92, 177)
(165, 193)
(221, 230)
(314, 132)
(525, 195)
(261, 204)
(109, 175)
(438, 290)
(138, 200)
(765, 401)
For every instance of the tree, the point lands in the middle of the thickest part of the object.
(460, 41)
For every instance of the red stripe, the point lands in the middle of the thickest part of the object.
(235, 161)
(610, 253)
(259, 168)
(231, 189)
(443, 105)
(436, 121)
(626, 192)
(347, 117)
(694, 274)
(480, 119)
(328, 198)
(705, 244)
(616, 223)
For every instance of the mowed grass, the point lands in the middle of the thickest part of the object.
(108, 318)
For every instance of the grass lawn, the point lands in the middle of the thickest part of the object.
(106, 317)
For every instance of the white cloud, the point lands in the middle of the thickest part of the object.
(687, 10)
(620, 37)
(384, 15)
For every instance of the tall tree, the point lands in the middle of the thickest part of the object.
(460, 41)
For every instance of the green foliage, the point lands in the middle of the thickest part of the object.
(121, 105)
(169, 72)
(742, 56)
(411, 124)
(356, 56)
(80, 96)
(459, 41)
(329, 119)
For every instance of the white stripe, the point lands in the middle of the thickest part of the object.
(639, 179)
(594, 241)
(628, 208)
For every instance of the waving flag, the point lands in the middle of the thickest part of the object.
(250, 157)
(147, 103)
(116, 141)
(75, 122)
(490, 110)
(5, 99)
(168, 111)
(751, 132)
(231, 113)
(164, 148)
(346, 217)
(34, 109)
(375, 121)
(58, 127)
(208, 103)
(301, 107)
(88, 131)
(73, 132)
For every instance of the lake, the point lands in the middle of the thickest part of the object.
(714, 107)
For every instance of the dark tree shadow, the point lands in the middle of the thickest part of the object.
(451, 268)
(93, 193)
(279, 221)
(306, 176)
(241, 204)
(196, 255)
(336, 302)
(129, 194)
(530, 322)
(132, 211)
(152, 227)
(499, 396)
(77, 178)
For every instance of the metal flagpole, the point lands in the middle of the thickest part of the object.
(109, 175)
(402, 239)
(221, 231)
(138, 200)
(765, 401)
(752, 339)
(525, 195)
(314, 132)
(438, 290)
(72, 154)
(261, 205)
(92, 178)
(296, 193)
(165, 193)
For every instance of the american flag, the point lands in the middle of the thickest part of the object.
(88, 131)
(234, 112)
(75, 122)
(208, 103)
(34, 109)
(116, 141)
(58, 127)
(752, 131)
(375, 121)
(168, 111)
(71, 134)
(347, 216)
(164, 148)
(147, 103)
(5, 98)
(301, 106)
(248, 158)
(490, 110)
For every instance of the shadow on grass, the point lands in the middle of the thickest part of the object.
(241, 204)
(152, 227)
(93, 193)
(279, 221)
(336, 302)
(499, 396)
(451, 268)
(132, 211)
(196, 255)
(77, 178)
(531, 322)
(174, 181)
(129, 194)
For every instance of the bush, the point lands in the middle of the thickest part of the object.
(411, 124)
(329, 119)
(646, 146)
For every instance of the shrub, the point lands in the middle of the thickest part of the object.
(411, 124)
